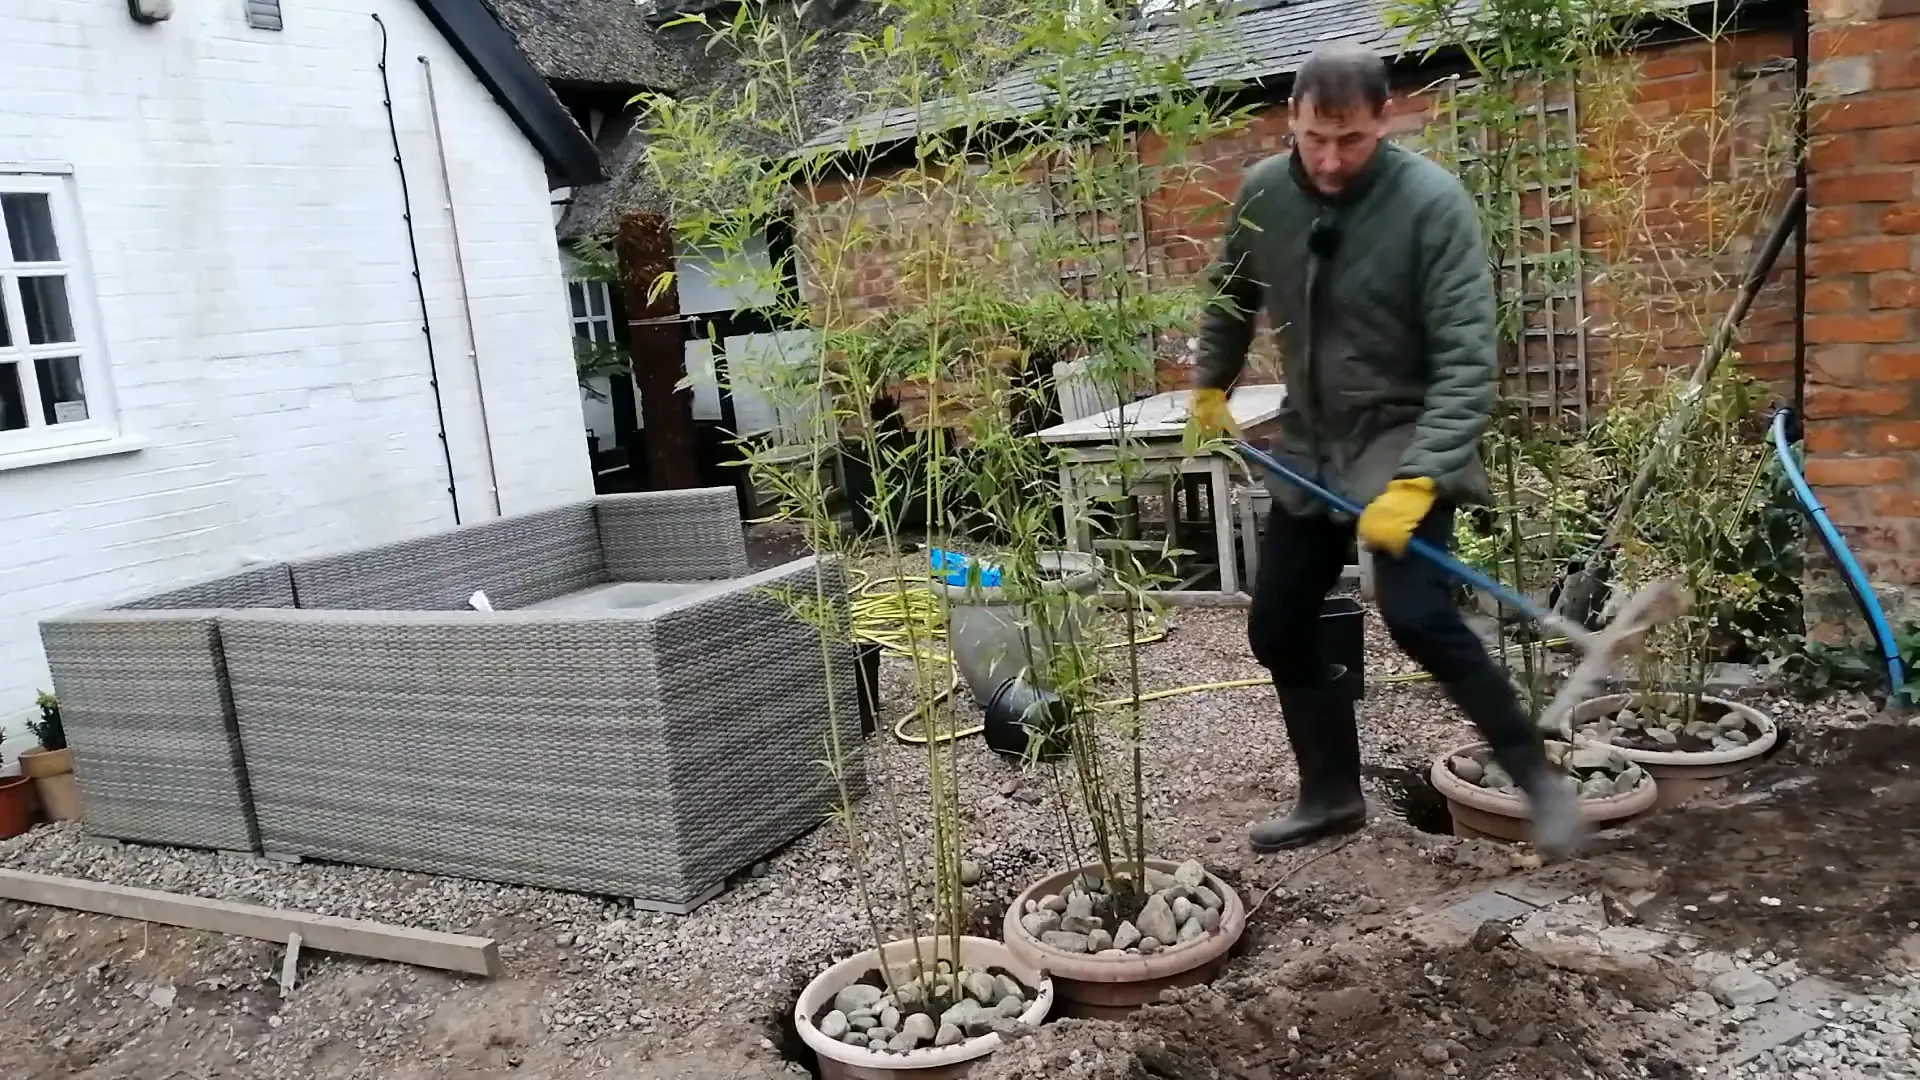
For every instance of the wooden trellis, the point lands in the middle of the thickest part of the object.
(1112, 226)
(1533, 217)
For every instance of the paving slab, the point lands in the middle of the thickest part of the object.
(1534, 893)
(1488, 904)
(1812, 992)
(1632, 939)
(1778, 1022)
(1774, 1025)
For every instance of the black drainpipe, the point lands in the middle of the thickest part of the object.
(1800, 50)
(419, 282)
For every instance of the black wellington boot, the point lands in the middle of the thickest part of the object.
(1559, 828)
(1326, 744)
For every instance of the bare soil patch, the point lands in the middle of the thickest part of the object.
(1380, 1005)
(1818, 845)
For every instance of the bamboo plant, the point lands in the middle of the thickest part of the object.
(1653, 274)
(975, 238)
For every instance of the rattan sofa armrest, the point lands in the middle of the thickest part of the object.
(688, 535)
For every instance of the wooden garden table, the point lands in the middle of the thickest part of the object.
(1090, 446)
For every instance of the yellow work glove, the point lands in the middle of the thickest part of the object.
(1388, 522)
(1208, 416)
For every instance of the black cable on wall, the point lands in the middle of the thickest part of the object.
(1800, 51)
(419, 282)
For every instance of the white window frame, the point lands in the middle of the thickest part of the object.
(585, 325)
(101, 424)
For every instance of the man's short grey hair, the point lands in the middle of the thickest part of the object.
(1341, 77)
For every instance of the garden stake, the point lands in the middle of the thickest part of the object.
(1599, 649)
(1582, 591)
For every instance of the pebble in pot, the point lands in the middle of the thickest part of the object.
(1600, 772)
(937, 1008)
(1112, 946)
(1485, 802)
(1180, 909)
(1664, 725)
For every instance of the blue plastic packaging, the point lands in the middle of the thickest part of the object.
(956, 567)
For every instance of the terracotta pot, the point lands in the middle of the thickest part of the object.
(838, 1061)
(1683, 775)
(1112, 988)
(1482, 814)
(52, 773)
(16, 806)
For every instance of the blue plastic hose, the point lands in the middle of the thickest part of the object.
(1842, 556)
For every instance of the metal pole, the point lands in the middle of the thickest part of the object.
(466, 298)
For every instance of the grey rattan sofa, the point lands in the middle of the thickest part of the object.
(639, 716)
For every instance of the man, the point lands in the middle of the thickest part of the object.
(1368, 258)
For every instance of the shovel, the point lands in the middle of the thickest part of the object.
(1599, 649)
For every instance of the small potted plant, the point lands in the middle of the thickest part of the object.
(51, 766)
(16, 802)
(1698, 528)
(1486, 802)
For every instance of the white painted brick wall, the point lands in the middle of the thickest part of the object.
(243, 217)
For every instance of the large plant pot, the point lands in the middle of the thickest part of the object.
(988, 626)
(1113, 987)
(52, 774)
(998, 643)
(1480, 813)
(841, 1061)
(1683, 775)
(16, 806)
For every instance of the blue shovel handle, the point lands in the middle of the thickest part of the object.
(1458, 570)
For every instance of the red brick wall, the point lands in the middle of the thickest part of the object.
(1725, 105)
(1863, 363)
(1184, 218)
(1863, 372)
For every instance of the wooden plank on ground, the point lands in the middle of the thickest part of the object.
(327, 933)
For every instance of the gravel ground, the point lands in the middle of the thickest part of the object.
(589, 976)
(1866, 1034)
(1216, 761)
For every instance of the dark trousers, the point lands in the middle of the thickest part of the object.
(1300, 563)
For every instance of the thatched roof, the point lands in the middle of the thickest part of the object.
(606, 43)
(820, 88)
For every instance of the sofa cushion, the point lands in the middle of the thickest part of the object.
(268, 586)
(516, 561)
(693, 534)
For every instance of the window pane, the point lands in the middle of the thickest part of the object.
(579, 294)
(597, 299)
(29, 221)
(63, 396)
(44, 300)
(6, 328)
(13, 406)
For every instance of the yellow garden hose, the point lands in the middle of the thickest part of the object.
(896, 613)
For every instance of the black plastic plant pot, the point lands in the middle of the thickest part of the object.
(1343, 634)
(867, 676)
(1025, 723)
(857, 477)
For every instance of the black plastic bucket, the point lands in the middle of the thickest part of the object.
(1343, 642)
(867, 678)
(1024, 723)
